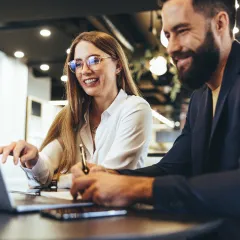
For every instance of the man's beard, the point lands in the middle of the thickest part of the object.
(205, 61)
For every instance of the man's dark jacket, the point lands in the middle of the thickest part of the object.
(201, 173)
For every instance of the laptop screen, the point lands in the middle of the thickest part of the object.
(6, 202)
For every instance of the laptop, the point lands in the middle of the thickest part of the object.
(20, 202)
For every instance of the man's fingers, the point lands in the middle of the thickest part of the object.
(96, 198)
(89, 192)
(81, 183)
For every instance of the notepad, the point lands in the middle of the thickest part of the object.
(60, 195)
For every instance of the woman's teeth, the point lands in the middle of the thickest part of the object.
(89, 81)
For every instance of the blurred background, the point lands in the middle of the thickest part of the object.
(35, 37)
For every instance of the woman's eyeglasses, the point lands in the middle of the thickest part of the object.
(92, 63)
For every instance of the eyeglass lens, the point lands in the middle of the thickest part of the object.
(78, 64)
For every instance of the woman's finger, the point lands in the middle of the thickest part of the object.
(7, 151)
(97, 168)
(18, 150)
(76, 170)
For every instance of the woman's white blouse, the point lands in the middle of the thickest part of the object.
(121, 141)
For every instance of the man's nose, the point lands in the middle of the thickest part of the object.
(173, 46)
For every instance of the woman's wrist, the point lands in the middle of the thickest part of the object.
(111, 171)
(31, 163)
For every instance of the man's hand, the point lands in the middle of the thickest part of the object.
(113, 190)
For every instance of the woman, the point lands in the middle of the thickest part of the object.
(104, 114)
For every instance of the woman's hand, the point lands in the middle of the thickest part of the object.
(93, 168)
(27, 153)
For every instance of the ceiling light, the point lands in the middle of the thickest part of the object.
(177, 124)
(237, 4)
(167, 89)
(64, 78)
(158, 66)
(68, 51)
(235, 30)
(19, 54)
(163, 39)
(154, 31)
(45, 32)
(44, 67)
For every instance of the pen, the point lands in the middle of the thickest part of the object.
(85, 168)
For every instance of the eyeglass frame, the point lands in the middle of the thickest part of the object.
(100, 58)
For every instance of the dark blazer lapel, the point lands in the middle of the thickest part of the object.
(202, 130)
(229, 77)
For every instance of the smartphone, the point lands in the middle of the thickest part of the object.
(82, 212)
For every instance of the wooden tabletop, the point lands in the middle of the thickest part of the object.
(132, 226)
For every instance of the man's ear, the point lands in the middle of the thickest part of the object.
(222, 22)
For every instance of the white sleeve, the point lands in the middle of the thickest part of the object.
(132, 138)
(48, 162)
(65, 181)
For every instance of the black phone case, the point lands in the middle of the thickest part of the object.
(68, 214)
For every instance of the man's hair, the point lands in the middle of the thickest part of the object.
(210, 8)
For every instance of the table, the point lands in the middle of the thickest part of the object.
(132, 226)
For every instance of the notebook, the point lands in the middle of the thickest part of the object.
(20, 202)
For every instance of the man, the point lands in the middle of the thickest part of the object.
(200, 174)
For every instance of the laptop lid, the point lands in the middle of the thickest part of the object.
(6, 202)
(20, 202)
